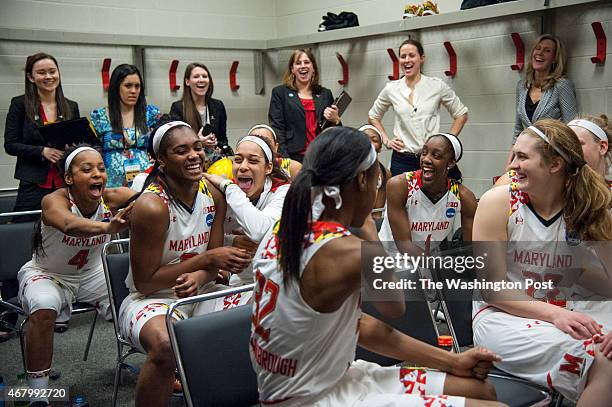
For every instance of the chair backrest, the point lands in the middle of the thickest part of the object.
(7, 203)
(116, 267)
(15, 248)
(214, 352)
(416, 322)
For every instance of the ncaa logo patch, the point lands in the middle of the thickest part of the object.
(450, 212)
(209, 219)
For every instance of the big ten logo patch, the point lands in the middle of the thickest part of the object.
(209, 209)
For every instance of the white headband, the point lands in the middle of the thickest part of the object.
(260, 143)
(370, 127)
(590, 126)
(454, 140)
(263, 126)
(161, 132)
(74, 154)
(333, 191)
(547, 140)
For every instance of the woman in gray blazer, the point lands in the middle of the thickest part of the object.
(545, 92)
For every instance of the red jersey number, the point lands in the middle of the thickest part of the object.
(263, 308)
(80, 259)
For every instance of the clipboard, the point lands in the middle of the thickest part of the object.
(75, 131)
(342, 102)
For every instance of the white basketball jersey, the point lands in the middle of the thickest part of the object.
(429, 221)
(273, 189)
(295, 350)
(70, 255)
(539, 250)
(188, 230)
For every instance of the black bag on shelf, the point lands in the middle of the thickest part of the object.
(466, 4)
(333, 21)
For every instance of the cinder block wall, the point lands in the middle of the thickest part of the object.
(484, 81)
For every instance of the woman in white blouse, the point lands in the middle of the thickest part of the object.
(416, 100)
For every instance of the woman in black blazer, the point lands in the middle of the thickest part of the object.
(198, 108)
(299, 105)
(42, 103)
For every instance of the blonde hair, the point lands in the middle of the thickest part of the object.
(604, 123)
(289, 77)
(587, 196)
(557, 68)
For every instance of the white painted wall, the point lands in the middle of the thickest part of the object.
(243, 19)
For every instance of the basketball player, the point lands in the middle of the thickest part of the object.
(291, 167)
(66, 264)
(595, 134)
(175, 252)
(381, 197)
(426, 205)
(306, 318)
(255, 200)
(554, 198)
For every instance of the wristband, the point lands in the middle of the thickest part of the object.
(223, 186)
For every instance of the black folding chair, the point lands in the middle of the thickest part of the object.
(7, 203)
(15, 251)
(116, 263)
(212, 353)
(456, 305)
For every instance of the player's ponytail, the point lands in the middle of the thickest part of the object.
(332, 159)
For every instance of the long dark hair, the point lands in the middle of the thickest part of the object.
(114, 100)
(32, 99)
(37, 244)
(190, 113)
(277, 172)
(331, 159)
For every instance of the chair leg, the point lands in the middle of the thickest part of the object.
(559, 401)
(118, 369)
(22, 343)
(91, 331)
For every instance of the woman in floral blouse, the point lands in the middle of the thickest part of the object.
(123, 126)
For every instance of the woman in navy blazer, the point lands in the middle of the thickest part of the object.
(299, 105)
(545, 92)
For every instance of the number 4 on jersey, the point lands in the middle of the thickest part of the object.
(80, 259)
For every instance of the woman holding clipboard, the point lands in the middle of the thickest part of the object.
(299, 105)
(42, 103)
